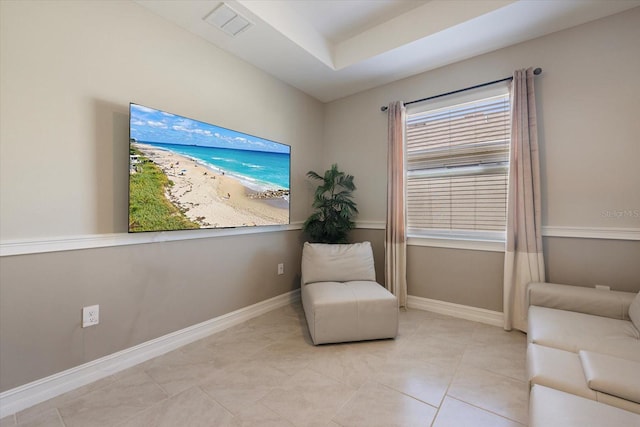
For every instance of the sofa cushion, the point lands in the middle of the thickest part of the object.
(634, 311)
(349, 311)
(337, 263)
(558, 369)
(571, 331)
(618, 402)
(612, 375)
(554, 408)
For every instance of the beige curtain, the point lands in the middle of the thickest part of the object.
(524, 262)
(396, 236)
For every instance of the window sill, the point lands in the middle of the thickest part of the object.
(457, 243)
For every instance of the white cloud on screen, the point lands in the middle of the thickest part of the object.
(157, 124)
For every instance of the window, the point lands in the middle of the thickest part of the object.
(457, 169)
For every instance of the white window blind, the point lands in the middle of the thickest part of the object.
(457, 169)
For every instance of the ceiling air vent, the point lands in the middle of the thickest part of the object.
(228, 20)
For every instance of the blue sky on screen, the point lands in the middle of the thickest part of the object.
(148, 124)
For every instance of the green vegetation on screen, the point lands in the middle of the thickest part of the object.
(149, 209)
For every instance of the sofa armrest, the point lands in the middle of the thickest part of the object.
(614, 304)
(612, 375)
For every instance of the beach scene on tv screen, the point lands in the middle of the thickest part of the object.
(186, 174)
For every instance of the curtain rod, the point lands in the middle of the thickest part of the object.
(536, 72)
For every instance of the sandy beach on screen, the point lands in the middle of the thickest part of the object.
(210, 198)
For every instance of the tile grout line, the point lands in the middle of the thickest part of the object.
(214, 400)
(386, 357)
(455, 374)
(59, 418)
(356, 390)
(487, 410)
(480, 407)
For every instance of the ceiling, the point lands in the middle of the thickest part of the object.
(334, 48)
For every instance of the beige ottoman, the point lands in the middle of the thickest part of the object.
(341, 299)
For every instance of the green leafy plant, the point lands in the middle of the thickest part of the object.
(335, 208)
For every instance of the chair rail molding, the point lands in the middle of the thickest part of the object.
(90, 241)
(371, 225)
(611, 233)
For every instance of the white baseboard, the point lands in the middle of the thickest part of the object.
(475, 314)
(25, 396)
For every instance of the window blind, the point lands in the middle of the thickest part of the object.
(457, 167)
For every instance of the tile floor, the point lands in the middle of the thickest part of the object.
(440, 371)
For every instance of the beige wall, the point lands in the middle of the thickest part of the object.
(68, 72)
(588, 101)
(460, 276)
(144, 291)
(614, 263)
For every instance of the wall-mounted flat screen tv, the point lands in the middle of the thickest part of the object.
(185, 174)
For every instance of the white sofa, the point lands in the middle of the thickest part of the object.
(584, 356)
(341, 299)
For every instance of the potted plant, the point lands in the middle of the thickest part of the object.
(335, 208)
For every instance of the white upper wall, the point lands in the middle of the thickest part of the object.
(68, 72)
(588, 103)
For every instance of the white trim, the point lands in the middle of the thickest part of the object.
(25, 396)
(474, 245)
(592, 232)
(24, 247)
(610, 233)
(482, 315)
(373, 225)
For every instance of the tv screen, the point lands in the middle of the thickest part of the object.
(185, 174)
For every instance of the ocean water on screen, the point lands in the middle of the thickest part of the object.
(258, 170)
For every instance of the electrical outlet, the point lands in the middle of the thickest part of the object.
(90, 315)
(280, 269)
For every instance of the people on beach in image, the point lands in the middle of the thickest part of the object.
(207, 203)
